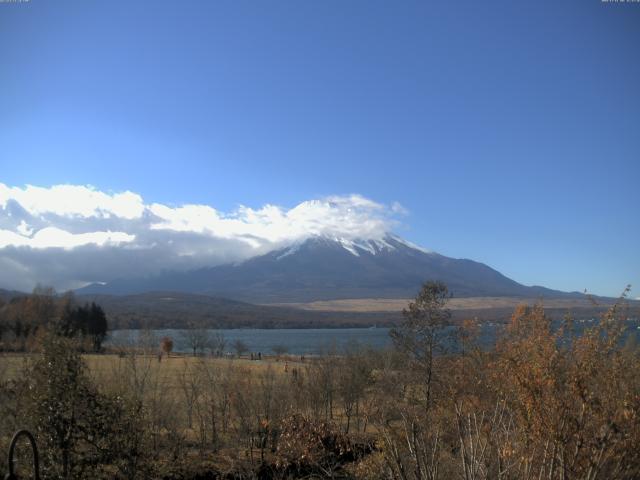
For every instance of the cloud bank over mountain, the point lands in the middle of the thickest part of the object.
(71, 235)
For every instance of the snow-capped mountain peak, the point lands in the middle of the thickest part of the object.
(325, 267)
(355, 246)
(409, 244)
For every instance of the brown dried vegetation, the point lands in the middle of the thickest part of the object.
(544, 404)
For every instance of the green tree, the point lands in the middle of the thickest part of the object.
(88, 320)
(97, 326)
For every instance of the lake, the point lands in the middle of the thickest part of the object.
(312, 341)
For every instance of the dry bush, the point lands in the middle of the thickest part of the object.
(307, 448)
(574, 399)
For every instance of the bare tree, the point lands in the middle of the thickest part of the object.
(189, 383)
(354, 375)
(198, 339)
(240, 347)
(421, 334)
(147, 341)
(322, 391)
(217, 343)
(279, 350)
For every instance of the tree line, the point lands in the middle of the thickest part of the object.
(24, 320)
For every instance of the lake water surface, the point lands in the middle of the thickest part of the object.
(312, 341)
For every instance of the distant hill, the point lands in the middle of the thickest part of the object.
(183, 310)
(7, 295)
(328, 268)
(180, 310)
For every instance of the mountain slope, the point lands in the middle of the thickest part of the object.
(324, 268)
(181, 310)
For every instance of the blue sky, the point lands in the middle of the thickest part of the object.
(510, 131)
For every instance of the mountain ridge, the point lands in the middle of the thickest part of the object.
(326, 267)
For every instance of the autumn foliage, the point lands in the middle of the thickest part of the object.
(548, 401)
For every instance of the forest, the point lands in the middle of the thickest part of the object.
(26, 319)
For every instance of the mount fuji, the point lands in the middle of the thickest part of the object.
(325, 267)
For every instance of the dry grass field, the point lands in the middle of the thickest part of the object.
(103, 367)
(470, 303)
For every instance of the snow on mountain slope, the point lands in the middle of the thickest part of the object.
(324, 267)
(356, 246)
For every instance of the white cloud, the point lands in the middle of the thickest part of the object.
(24, 229)
(70, 235)
(73, 200)
(52, 237)
(352, 217)
(396, 207)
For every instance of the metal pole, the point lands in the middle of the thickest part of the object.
(36, 461)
